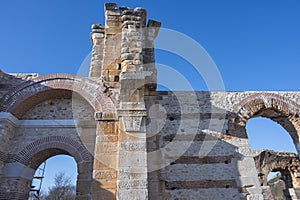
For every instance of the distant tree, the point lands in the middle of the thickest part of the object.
(62, 189)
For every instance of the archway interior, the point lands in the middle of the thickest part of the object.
(57, 104)
(264, 133)
(267, 134)
(70, 104)
(44, 178)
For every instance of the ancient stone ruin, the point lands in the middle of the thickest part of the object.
(131, 141)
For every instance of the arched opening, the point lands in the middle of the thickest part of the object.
(59, 163)
(35, 153)
(271, 124)
(264, 133)
(57, 176)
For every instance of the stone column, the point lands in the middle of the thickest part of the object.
(132, 167)
(112, 46)
(105, 158)
(132, 40)
(148, 53)
(97, 37)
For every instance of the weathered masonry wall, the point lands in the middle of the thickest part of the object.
(61, 108)
(44, 117)
(197, 144)
(131, 141)
(217, 160)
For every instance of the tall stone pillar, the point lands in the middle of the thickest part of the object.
(132, 173)
(112, 48)
(105, 159)
(148, 54)
(132, 169)
(128, 72)
(97, 38)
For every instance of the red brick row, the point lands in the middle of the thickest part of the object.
(257, 103)
(88, 89)
(40, 150)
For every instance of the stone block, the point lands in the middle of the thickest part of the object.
(108, 128)
(113, 12)
(128, 159)
(104, 184)
(106, 147)
(113, 30)
(105, 174)
(114, 72)
(132, 172)
(106, 138)
(133, 194)
(133, 146)
(132, 184)
(109, 160)
(104, 193)
(100, 165)
(131, 137)
(195, 172)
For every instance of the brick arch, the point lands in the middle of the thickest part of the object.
(90, 90)
(273, 106)
(40, 150)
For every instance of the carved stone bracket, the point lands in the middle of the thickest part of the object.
(132, 114)
(132, 124)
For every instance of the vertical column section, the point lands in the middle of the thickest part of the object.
(132, 176)
(112, 46)
(120, 163)
(132, 40)
(148, 53)
(97, 37)
(132, 169)
(105, 161)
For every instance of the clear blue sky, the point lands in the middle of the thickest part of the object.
(255, 44)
